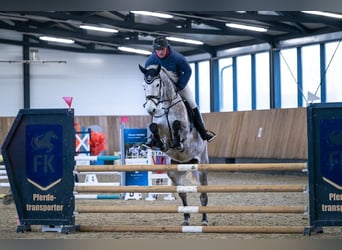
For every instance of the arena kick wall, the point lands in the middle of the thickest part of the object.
(262, 134)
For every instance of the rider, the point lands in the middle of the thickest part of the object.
(165, 55)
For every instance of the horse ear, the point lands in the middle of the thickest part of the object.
(158, 68)
(142, 69)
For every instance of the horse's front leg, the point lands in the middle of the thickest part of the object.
(176, 127)
(156, 137)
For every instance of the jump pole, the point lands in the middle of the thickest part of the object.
(191, 209)
(194, 167)
(97, 172)
(102, 184)
(191, 189)
(95, 158)
(88, 196)
(97, 196)
(194, 229)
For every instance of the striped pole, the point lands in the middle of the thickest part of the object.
(95, 158)
(102, 184)
(194, 229)
(196, 167)
(191, 209)
(102, 173)
(97, 196)
(192, 189)
(89, 158)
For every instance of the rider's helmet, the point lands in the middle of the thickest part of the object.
(160, 43)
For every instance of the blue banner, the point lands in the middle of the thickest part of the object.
(331, 151)
(135, 154)
(44, 155)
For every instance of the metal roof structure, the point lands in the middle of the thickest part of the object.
(138, 31)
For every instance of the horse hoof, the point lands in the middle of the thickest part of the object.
(204, 223)
(186, 223)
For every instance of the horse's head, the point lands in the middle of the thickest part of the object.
(152, 87)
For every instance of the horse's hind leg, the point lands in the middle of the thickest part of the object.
(186, 215)
(204, 196)
(176, 179)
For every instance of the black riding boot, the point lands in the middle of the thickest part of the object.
(199, 125)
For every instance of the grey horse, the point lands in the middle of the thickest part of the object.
(172, 129)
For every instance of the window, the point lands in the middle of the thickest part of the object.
(333, 72)
(288, 78)
(244, 83)
(226, 84)
(204, 86)
(191, 82)
(262, 65)
(299, 75)
(311, 73)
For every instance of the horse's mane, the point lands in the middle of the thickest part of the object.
(165, 74)
(168, 75)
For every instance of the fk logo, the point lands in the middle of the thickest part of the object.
(44, 155)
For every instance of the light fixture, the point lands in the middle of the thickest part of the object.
(132, 50)
(55, 39)
(154, 14)
(321, 13)
(103, 29)
(183, 40)
(246, 27)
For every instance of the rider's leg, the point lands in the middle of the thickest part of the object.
(186, 94)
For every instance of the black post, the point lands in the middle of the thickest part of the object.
(26, 72)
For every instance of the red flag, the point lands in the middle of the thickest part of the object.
(124, 119)
(68, 100)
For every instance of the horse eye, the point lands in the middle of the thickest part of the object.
(158, 85)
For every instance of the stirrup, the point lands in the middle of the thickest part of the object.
(210, 135)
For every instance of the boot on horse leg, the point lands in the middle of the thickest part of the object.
(155, 139)
(176, 126)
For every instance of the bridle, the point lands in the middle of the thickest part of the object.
(157, 99)
(154, 98)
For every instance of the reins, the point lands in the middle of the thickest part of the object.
(157, 100)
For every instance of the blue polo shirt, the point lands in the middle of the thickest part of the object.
(174, 62)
